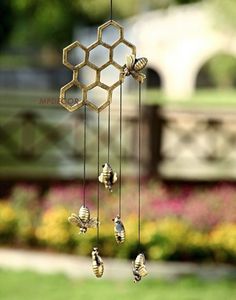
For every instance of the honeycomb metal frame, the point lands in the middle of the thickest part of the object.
(83, 100)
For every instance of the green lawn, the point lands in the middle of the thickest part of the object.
(27, 286)
(212, 98)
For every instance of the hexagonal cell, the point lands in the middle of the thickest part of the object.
(120, 52)
(87, 76)
(99, 56)
(74, 55)
(71, 96)
(111, 33)
(110, 76)
(98, 98)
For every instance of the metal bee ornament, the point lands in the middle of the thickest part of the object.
(83, 220)
(108, 177)
(89, 99)
(133, 67)
(97, 263)
(119, 230)
(139, 269)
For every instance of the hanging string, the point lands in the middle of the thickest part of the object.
(111, 10)
(109, 133)
(84, 181)
(120, 180)
(98, 184)
(139, 166)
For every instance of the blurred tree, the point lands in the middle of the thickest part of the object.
(222, 69)
(6, 17)
(44, 22)
(225, 12)
(52, 22)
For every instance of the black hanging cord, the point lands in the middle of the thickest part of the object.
(109, 133)
(111, 10)
(84, 182)
(98, 185)
(120, 180)
(139, 164)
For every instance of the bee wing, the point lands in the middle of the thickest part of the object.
(114, 179)
(138, 76)
(142, 271)
(101, 178)
(119, 227)
(92, 223)
(130, 60)
(75, 220)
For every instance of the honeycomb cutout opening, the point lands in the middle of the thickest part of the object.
(87, 77)
(76, 56)
(110, 76)
(71, 96)
(120, 53)
(96, 73)
(96, 97)
(111, 35)
(99, 56)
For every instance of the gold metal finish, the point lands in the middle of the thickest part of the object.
(119, 230)
(83, 220)
(76, 69)
(134, 66)
(139, 269)
(108, 177)
(97, 263)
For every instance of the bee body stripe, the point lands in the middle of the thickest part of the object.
(84, 214)
(140, 64)
(120, 236)
(97, 264)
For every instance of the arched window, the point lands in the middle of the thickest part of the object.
(153, 78)
(218, 71)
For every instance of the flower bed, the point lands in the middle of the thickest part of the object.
(178, 223)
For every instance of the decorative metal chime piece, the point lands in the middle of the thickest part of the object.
(83, 220)
(139, 269)
(97, 263)
(108, 177)
(119, 230)
(131, 67)
(134, 66)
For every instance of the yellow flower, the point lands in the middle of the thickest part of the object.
(8, 217)
(55, 229)
(224, 237)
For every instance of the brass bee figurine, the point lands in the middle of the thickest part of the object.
(133, 67)
(97, 263)
(83, 220)
(108, 177)
(119, 230)
(139, 269)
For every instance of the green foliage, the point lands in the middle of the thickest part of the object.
(6, 17)
(222, 69)
(47, 22)
(8, 222)
(52, 22)
(225, 12)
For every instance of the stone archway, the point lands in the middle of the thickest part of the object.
(178, 42)
(218, 71)
(154, 79)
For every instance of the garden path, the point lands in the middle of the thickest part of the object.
(80, 267)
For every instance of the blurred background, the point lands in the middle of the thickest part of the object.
(188, 149)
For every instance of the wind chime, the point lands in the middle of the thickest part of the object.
(108, 177)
